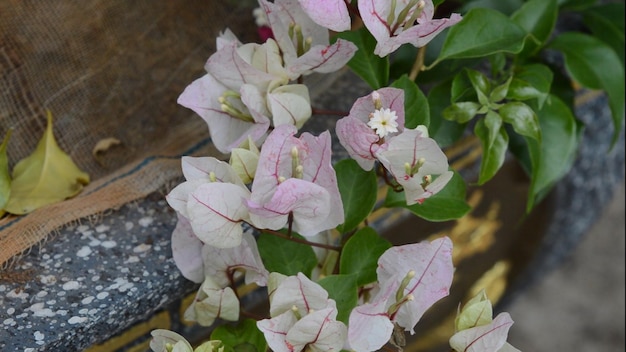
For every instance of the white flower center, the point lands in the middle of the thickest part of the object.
(383, 122)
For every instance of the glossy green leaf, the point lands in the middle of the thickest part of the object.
(358, 189)
(494, 153)
(46, 176)
(5, 175)
(448, 204)
(482, 32)
(595, 65)
(373, 69)
(360, 255)
(499, 93)
(443, 131)
(344, 290)
(531, 82)
(416, 111)
(286, 257)
(607, 23)
(245, 334)
(551, 161)
(481, 84)
(523, 119)
(493, 122)
(462, 88)
(538, 18)
(461, 112)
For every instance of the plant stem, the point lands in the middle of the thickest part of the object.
(418, 65)
(328, 112)
(298, 240)
(251, 315)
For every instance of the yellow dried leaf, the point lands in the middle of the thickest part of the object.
(5, 176)
(46, 176)
(104, 145)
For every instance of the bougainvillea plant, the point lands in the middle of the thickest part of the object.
(281, 216)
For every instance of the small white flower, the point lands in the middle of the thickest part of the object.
(383, 122)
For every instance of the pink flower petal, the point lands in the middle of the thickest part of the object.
(432, 265)
(332, 14)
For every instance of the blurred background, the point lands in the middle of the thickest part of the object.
(579, 306)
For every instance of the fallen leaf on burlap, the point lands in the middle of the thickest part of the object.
(46, 176)
(103, 145)
(5, 176)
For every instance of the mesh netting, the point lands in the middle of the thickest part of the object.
(105, 69)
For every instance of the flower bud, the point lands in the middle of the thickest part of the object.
(378, 104)
(244, 160)
(476, 312)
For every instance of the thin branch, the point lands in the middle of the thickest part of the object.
(298, 240)
(251, 315)
(418, 65)
(316, 111)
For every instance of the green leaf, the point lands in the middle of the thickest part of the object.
(551, 161)
(497, 62)
(606, 22)
(360, 255)
(441, 130)
(462, 88)
(358, 189)
(493, 122)
(245, 347)
(523, 119)
(482, 32)
(481, 84)
(245, 333)
(46, 176)
(595, 65)
(373, 69)
(286, 257)
(416, 111)
(577, 5)
(530, 82)
(343, 289)
(461, 112)
(5, 176)
(500, 92)
(505, 6)
(494, 155)
(538, 18)
(448, 204)
(401, 61)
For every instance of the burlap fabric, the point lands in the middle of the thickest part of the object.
(105, 69)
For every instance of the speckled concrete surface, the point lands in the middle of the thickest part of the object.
(580, 305)
(92, 281)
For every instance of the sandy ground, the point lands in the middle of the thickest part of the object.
(580, 305)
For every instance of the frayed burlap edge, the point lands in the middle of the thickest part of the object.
(19, 234)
